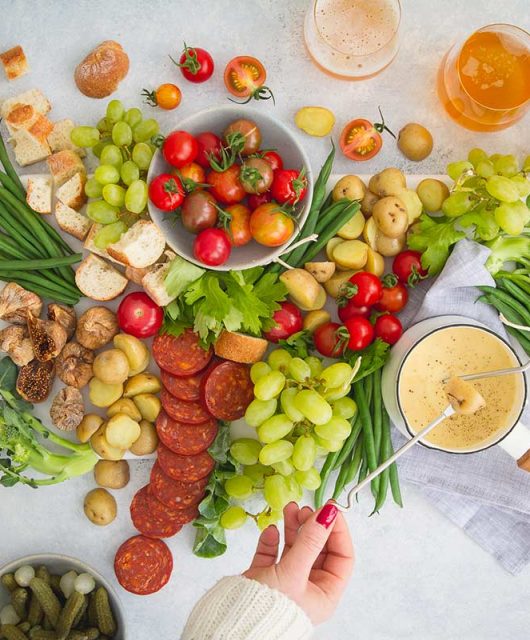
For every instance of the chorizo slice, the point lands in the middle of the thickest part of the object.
(152, 518)
(227, 390)
(174, 494)
(182, 355)
(186, 439)
(182, 411)
(185, 468)
(143, 565)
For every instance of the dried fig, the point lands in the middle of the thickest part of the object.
(67, 409)
(65, 316)
(35, 380)
(16, 302)
(47, 337)
(16, 343)
(96, 327)
(74, 365)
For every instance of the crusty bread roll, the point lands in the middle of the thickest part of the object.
(239, 347)
(100, 73)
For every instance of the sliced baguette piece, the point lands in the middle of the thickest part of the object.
(99, 280)
(91, 246)
(72, 192)
(29, 149)
(63, 165)
(140, 246)
(21, 116)
(39, 193)
(59, 138)
(154, 281)
(240, 347)
(33, 97)
(15, 62)
(71, 221)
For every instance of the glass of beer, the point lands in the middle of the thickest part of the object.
(484, 82)
(352, 39)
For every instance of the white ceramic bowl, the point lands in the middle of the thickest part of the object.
(275, 135)
(59, 564)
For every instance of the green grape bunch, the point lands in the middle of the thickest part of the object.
(118, 192)
(301, 411)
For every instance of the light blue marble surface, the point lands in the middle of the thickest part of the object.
(418, 576)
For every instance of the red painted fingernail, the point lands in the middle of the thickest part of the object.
(327, 515)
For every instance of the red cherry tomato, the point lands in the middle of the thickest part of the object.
(226, 186)
(270, 226)
(209, 145)
(363, 289)
(166, 192)
(274, 159)
(139, 315)
(196, 64)
(407, 267)
(361, 333)
(361, 140)
(289, 186)
(245, 77)
(212, 247)
(288, 320)
(239, 225)
(329, 340)
(388, 328)
(393, 298)
(349, 310)
(257, 199)
(180, 148)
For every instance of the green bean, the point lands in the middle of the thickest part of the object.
(384, 477)
(512, 289)
(17, 234)
(10, 185)
(45, 263)
(10, 247)
(523, 339)
(340, 482)
(45, 278)
(349, 443)
(393, 470)
(503, 308)
(41, 290)
(377, 412)
(507, 299)
(366, 419)
(369, 389)
(329, 214)
(324, 477)
(4, 159)
(355, 461)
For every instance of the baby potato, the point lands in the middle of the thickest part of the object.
(315, 121)
(432, 194)
(100, 507)
(304, 290)
(390, 182)
(321, 271)
(112, 474)
(334, 284)
(412, 204)
(330, 246)
(148, 405)
(126, 406)
(88, 426)
(319, 302)
(390, 247)
(375, 263)
(135, 351)
(122, 431)
(103, 448)
(349, 187)
(415, 141)
(390, 216)
(111, 366)
(351, 254)
(370, 233)
(148, 440)
(141, 383)
(103, 395)
(367, 203)
(314, 319)
(353, 228)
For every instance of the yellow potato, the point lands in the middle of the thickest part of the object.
(375, 263)
(349, 187)
(334, 284)
(412, 203)
(112, 474)
(148, 405)
(415, 141)
(141, 383)
(390, 216)
(351, 254)
(88, 426)
(304, 290)
(370, 233)
(314, 319)
(432, 194)
(353, 228)
(390, 247)
(390, 182)
(111, 366)
(368, 202)
(315, 121)
(121, 431)
(103, 448)
(126, 406)
(321, 271)
(318, 303)
(100, 507)
(330, 246)
(103, 395)
(148, 440)
(135, 350)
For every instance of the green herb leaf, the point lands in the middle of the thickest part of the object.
(207, 546)
(434, 237)
(8, 374)
(180, 275)
(372, 358)
(299, 344)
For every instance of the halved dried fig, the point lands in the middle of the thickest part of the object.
(35, 380)
(65, 316)
(16, 302)
(47, 337)
(15, 342)
(74, 365)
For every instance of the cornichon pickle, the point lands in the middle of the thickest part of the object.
(19, 600)
(69, 613)
(43, 573)
(91, 612)
(10, 632)
(9, 582)
(24, 626)
(48, 600)
(42, 634)
(105, 618)
(35, 612)
(86, 634)
(80, 613)
(55, 584)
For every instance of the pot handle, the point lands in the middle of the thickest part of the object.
(517, 444)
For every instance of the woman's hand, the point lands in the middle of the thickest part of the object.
(316, 561)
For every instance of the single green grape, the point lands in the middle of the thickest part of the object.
(111, 154)
(233, 518)
(456, 169)
(313, 406)
(107, 174)
(109, 233)
(335, 429)
(304, 453)
(93, 189)
(275, 428)
(458, 203)
(502, 188)
(114, 195)
(309, 479)
(269, 386)
(477, 155)
(115, 111)
(344, 408)
(122, 134)
(512, 217)
(275, 452)
(265, 519)
(523, 185)
(239, 487)
(506, 166)
(526, 164)
(102, 212)
(287, 404)
(258, 370)
(260, 410)
(133, 117)
(256, 472)
(279, 359)
(276, 492)
(284, 468)
(298, 370)
(245, 450)
(136, 196)
(494, 157)
(315, 364)
(84, 136)
(336, 375)
(104, 126)
(129, 172)
(142, 155)
(97, 149)
(329, 446)
(485, 169)
(145, 130)
(294, 490)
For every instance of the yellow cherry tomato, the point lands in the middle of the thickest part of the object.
(167, 96)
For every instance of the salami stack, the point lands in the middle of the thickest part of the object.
(198, 390)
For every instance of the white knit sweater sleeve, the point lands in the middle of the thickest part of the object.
(237, 608)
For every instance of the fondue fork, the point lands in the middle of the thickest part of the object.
(494, 374)
(447, 413)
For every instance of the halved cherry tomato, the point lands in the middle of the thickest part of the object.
(393, 298)
(256, 175)
(212, 247)
(361, 333)
(289, 186)
(167, 96)
(363, 289)
(349, 310)
(139, 315)
(361, 140)
(245, 78)
(274, 159)
(239, 224)
(226, 186)
(255, 200)
(196, 64)
(193, 172)
(270, 226)
(388, 328)
(180, 148)
(408, 268)
(166, 192)
(209, 146)
(288, 320)
(328, 340)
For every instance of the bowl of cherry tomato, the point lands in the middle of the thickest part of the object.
(230, 188)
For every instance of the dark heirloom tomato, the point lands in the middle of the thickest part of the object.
(249, 130)
(199, 211)
(212, 247)
(226, 186)
(255, 200)
(166, 192)
(270, 226)
(328, 340)
(180, 148)
(274, 159)
(139, 315)
(239, 225)
(256, 175)
(209, 144)
(196, 64)
(288, 320)
(289, 186)
(244, 78)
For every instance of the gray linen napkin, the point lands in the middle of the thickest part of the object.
(486, 494)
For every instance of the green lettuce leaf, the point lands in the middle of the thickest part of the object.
(434, 237)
